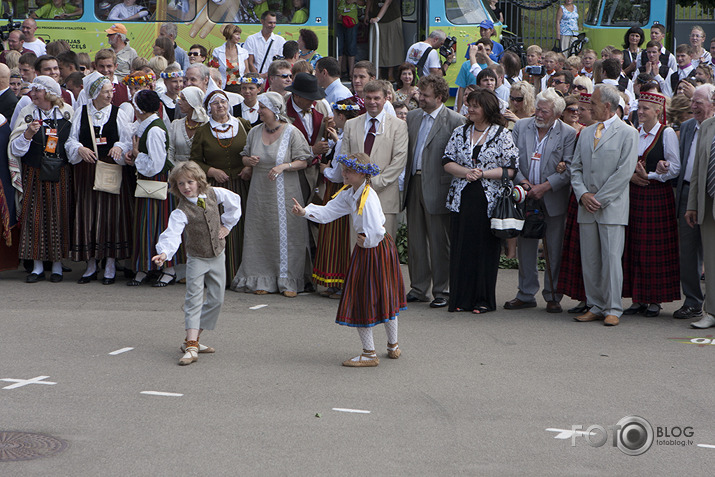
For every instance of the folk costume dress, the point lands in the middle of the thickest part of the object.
(374, 290)
(151, 216)
(332, 255)
(275, 247)
(219, 145)
(475, 250)
(651, 260)
(9, 231)
(102, 221)
(46, 220)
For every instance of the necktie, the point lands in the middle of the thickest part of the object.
(201, 202)
(599, 133)
(370, 138)
(710, 181)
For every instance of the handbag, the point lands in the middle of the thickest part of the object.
(348, 22)
(534, 220)
(151, 189)
(557, 47)
(107, 177)
(508, 217)
(50, 168)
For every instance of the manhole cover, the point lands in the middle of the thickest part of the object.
(27, 446)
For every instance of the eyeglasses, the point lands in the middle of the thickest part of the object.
(558, 82)
(194, 53)
(285, 76)
(517, 100)
(572, 110)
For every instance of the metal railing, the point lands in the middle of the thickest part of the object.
(375, 47)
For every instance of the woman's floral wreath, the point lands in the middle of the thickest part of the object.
(369, 169)
(139, 79)
(175, 74)
(250, 80)
(345, 107)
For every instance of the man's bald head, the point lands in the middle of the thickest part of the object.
(4, 76)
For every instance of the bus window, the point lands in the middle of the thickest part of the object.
(49, 9)
(465, 12)
(625, 13)
(145, 10)
(594, 9)
(250, 11)
(408, 8)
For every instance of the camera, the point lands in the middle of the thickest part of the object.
(448, 47)
(535, 70)
(8, 27)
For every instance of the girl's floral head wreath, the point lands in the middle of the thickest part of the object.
(368, 169)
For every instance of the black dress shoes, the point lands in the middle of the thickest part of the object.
(438, 302)
(56, 277)
(412, 298)
(579, 309)
(107, 281)
(636, 308)
(87, 279)
(35, 277)
(517, 304)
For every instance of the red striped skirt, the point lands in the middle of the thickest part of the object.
(151, 217)
(570, 272)
(102, 221)
(651, 260)
(374, 290)
(46, 213)
(333, 250)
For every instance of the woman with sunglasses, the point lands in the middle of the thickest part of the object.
(521, 101)
(570, 114)
(216, 147)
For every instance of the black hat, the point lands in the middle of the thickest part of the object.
(306, 86)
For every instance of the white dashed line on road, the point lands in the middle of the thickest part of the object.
(257, 307)
(120, 351)
(358, 411)
(159, 393)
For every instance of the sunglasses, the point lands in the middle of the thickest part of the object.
(572, 110)
(557, 82)
(194, 53)
(82, 68)
(518, 100)
(578, 86)
(285, 76)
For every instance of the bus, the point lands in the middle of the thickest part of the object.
(200, 21)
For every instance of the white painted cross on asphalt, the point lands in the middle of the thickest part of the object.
(24, 382)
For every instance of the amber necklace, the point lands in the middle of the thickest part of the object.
(189, 126)
(218, 131)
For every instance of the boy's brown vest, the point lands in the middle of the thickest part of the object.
(200, 235)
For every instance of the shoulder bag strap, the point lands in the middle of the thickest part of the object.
(91, 129)
(423, 59)
(266, 56)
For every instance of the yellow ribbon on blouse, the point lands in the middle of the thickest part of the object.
(363, 196)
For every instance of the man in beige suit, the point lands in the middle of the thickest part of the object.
(384, 138)
(701, 211)
(601, 170)
(426, 188)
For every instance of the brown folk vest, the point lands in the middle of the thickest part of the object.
(200, 235)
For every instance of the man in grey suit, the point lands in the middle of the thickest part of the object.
(426, 187)
(543, 141)
(603, 164)
(691, 246)
(701, 211)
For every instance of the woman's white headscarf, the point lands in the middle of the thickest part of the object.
(47, 84)
(276, 103)
(195, 97)
(93, 84)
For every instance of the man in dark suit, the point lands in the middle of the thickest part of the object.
(691, 245)
(543, 141)
(426, 186)
(8, 100)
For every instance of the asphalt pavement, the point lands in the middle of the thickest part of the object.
(505, 393)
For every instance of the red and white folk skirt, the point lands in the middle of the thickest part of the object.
(374, 290)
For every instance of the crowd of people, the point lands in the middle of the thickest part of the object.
(614, 154)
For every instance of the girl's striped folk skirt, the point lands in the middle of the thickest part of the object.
(374, 290)
(332, 256)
